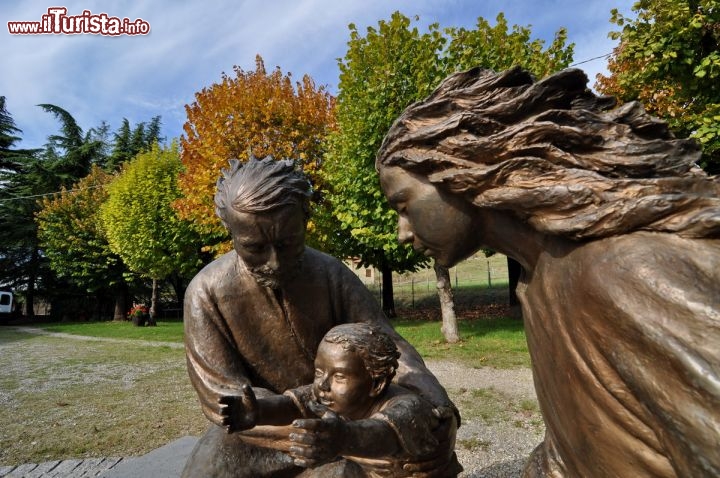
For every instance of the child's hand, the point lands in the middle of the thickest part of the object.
(317, 441)
(239, 412)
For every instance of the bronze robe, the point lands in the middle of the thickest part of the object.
(624, 335)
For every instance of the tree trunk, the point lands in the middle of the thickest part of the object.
(121, 302)
(449, 327)
(388, 300)
(179, 285)
(154, 300)
(32, 278)
(514, 272)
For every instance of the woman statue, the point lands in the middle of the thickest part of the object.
(618, 234)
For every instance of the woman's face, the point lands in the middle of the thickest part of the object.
(436, 223)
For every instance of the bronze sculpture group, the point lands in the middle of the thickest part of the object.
(256, 316)
(617, 231)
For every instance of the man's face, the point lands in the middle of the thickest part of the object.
(342, 383)
(270, 243)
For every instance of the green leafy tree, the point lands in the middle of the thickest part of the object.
(72, 238)
(25, 176)
(142, 227)
(501, 47)
(383, 72)
(669, 59)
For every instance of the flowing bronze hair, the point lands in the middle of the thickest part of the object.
(555, 155)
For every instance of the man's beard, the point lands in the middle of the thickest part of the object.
(268, 277)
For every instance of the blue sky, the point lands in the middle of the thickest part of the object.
(192, 42)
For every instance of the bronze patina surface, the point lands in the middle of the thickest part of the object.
(617, 231)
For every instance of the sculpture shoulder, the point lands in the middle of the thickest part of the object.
(326, 263)
(627, 253)
(315, 256)
(220, 270)
(646, 258)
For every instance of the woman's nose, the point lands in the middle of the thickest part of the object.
(405, 233)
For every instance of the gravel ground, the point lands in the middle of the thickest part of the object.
(504, 446)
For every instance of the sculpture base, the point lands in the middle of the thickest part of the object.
(165, 462)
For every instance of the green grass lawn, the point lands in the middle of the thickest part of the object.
(491, 342)
(170, 331)
(486, 342)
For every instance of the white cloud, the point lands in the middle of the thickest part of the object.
(191, 42)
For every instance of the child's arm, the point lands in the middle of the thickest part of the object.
(245, 411)
(321, 440)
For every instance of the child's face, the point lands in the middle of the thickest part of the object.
(341, 381)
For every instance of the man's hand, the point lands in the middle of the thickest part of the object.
(239, 412)
(437, 467)
(318, 441)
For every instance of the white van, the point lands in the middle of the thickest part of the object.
(6, 304)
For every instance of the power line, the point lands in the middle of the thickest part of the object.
(591, 59)
(51, 194)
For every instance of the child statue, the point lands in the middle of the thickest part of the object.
(348, 408)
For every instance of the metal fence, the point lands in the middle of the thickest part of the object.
(418, 289)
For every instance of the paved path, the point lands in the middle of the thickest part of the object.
(61, 468)
(164, 462)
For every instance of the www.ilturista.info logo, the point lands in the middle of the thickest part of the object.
(58, 22)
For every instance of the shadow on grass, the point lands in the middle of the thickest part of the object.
(466, 296)
(495, 341)
(470, 327)
(9, 335)
(483, 327)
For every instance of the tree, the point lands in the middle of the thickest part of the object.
(19, 256)
(71, 153)
(449, 327)
(65, 159)
(121, 151)
(500, 48)
(128, 143)
(382, 73)
(72, 237)
(26, 176)
(142, 227)
(259, 112)
(10, 157)
(669, 59)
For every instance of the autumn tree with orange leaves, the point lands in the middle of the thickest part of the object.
(669, 59)
(256, 112)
